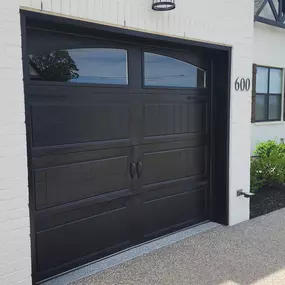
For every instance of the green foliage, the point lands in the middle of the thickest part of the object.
(266, 148)
(268, 168)
(256, 176)
(55, 66)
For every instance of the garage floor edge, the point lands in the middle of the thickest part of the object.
(116, 259)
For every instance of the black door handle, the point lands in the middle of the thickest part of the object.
(133, 169)
(139, 168)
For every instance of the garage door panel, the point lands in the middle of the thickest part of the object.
(59, 125)
(165, 211)
(67, 183)
(61, 92)
(181, 184)
(176, 138)
(79, 210)
(176, 118)
(78, 155)
(53, 151)
(63, 244)
(173, 142)
(174, 164)
(118, 144)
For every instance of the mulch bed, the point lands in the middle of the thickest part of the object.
(267, 200)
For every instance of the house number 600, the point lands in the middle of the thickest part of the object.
(242, 84)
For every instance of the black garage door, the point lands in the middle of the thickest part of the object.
(120, 145)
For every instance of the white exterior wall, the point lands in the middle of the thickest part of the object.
(221, 21)
(268, 50)
(15, 262)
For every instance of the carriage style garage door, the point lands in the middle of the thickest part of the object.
(119, 136)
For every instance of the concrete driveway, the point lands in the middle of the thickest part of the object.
(249, 253)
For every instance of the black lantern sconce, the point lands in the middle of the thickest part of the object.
(163, 5)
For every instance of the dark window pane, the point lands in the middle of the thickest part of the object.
(260, 108)
(169, 72)
(274, 107)
(90, 65)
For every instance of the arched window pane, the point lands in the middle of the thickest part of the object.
(169, 72)
(86, 65)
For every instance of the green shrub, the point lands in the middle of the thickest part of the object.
(266, 148)
(256, 178)
(268, 168)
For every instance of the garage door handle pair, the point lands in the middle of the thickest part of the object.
(136, 168)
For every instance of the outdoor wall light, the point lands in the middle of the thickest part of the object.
(163, 5)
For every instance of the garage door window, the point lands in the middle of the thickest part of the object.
(89, 65)
(164, 71)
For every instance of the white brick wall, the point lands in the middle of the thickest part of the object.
(220, 21)
(268, 50)
(15, 262)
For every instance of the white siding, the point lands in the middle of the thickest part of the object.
(15, 254)
(220, 21)
(269, 45)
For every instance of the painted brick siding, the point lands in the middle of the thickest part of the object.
(15, 261)
(268, 51)
(221, 21)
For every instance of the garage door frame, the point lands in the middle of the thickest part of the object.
(219, 138)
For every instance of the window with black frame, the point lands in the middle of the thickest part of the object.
(108, 66)
(268, 94)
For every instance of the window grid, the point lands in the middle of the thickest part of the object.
(267, 97)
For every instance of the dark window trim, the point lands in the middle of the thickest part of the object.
(268, 94)
(107, 85)
(278, 15)
(76, 84)
(50, 22)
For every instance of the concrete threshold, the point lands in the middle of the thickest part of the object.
(126, 255)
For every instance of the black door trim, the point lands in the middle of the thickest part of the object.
(219, 197)
(71, 25)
